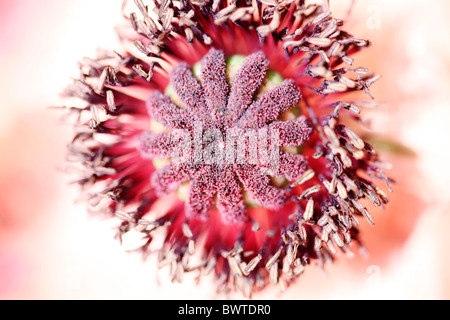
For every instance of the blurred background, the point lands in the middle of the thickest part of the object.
(51, 248)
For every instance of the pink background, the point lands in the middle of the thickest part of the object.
(50, 248)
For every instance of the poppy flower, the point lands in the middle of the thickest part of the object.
(226, 133)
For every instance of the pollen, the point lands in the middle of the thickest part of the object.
(211, 103)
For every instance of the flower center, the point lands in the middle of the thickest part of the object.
(228, 129)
